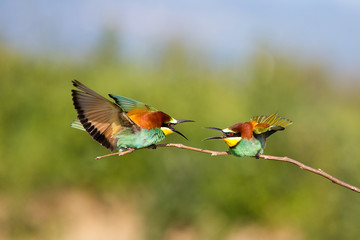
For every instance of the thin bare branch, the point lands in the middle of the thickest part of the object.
(182, 146)
(177, 145)
(266, 157)
(313, 170)
(130, 150)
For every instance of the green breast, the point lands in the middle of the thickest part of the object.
(249, 148)
(144, 138)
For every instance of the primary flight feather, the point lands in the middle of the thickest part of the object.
(123, 124)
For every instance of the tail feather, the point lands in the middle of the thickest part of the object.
(77, 124)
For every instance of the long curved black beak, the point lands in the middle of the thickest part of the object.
(182, 121)
(217, 137)
(214, 128)
(176, 131)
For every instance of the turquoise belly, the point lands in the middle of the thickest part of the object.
(144, 138)
(248, 148)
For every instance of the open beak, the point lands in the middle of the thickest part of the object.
(176, 131)
(217, 137)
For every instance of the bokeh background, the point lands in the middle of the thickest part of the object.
(215, 62)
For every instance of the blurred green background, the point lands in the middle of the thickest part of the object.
(51, 186)
(44, 160)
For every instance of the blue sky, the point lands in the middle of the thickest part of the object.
(227, 30)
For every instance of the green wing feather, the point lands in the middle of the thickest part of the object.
(128, 104)
(258, 119)
(275, 123)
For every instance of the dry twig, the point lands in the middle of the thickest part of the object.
(266, 157)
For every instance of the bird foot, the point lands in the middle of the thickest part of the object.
(153, 146)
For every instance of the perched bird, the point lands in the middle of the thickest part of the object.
(122, 124)
(248, 139)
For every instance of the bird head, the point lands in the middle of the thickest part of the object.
(168, 126)
(230, 137)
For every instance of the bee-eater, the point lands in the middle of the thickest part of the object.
(248, 139)
(122, 124)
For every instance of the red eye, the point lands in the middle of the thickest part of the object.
(231, 134)
(169, 124)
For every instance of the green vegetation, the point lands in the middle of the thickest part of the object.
(40, 152)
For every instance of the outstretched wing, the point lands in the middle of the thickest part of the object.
(128, 104)
(101, 118)
(271, 123)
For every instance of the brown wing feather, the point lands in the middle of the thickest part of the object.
(101, 118)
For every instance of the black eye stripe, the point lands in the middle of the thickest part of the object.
(167, 124)
(231, 134)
